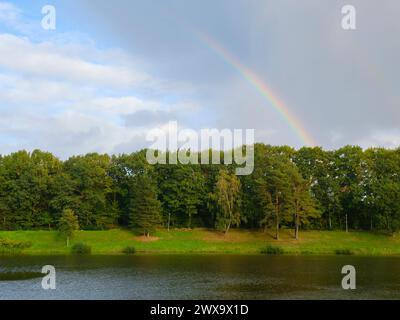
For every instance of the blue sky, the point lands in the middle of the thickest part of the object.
(111, 71)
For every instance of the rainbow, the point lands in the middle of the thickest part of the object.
(253, 79)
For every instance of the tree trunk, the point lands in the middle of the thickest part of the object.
(169, 220)
(67, 241)
(347, 227)
(296, 220)
(190, 221)
(277, 217)
(388, 223)
(330, 220)
(227, 228)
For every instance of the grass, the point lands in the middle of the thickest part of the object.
(113, 242)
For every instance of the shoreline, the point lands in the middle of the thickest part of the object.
(208, 242)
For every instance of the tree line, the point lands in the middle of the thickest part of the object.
(309, 188)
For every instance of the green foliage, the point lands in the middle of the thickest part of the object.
(344, 252)
(68, 224)
(145, 209)
(309, 188)
(8, 245)
(18, 276)
(81, 248)
(129, 250)
(227, 198)
(270, 249)
(182, 191)
(89, 175)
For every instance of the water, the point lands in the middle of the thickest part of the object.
(204, 277)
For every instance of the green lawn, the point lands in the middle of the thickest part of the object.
(207, 241)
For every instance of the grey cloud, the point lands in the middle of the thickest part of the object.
(146, 118)
(331, 79)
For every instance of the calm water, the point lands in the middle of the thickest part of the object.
(204, 277)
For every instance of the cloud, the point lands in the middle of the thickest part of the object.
(20, 55)
(149, 117)
(55, 98)
(9, 13)
(389, 138)
(71, 97)
(12, 17)
(109, 73)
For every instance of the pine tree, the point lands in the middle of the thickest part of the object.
(299, 202)
(145, 208)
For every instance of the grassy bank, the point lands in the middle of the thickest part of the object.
(206, 241)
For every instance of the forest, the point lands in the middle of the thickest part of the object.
(309, 188)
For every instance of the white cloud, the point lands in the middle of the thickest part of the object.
(44, 60)
(72, 98)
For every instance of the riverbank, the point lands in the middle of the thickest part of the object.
(202, 241)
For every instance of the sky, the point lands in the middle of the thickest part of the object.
(112, 71)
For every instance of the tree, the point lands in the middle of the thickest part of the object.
(350, 172)
(68, 224)
(380, 188)
(316, 167)
(257, 209)
(387, 205)
(300, 201)
(182, 191)
(277, 181)
(145, 208)
(265, 202)
(123, 171)
(91, 190)
(227, 197)
(26, 189)
(349, 187)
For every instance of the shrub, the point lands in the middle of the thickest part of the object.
(16, 276)
(344, 252)
(272, 250)
(129, 250)
(14, 244)
(81, 248)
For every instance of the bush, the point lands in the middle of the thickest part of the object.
(272, 250)
(14, 244)
(16, 276)
(129, 250)
(81, 248)
(344, 252)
